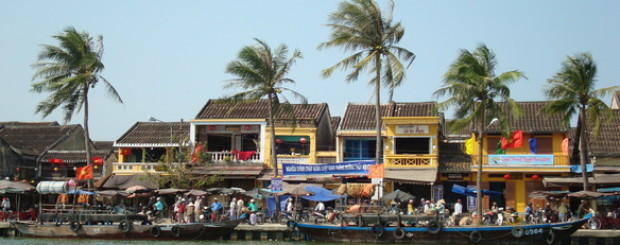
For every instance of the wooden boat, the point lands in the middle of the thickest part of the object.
(115, 226)
(429, 231)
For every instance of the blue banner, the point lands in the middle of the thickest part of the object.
(355, 167)
(520, 159)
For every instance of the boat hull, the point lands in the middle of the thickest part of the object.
(515, 234)
(193, 231)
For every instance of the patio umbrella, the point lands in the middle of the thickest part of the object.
(401, 195)
(586, 194)
(170, 191)
(196, 193)
(259, 193)
(135, 188)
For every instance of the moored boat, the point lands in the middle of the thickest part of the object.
(113, 226)
(434, 233)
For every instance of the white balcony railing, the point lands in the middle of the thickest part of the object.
(134, 167)
(236, 157)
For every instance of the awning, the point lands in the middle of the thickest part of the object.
(230, 172)
(414, 176)
(598, 179)
(122, 182)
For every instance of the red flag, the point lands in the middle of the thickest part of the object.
(85, 172)
(565, 143)
(375, 171)
(515, 141)
(196, 153)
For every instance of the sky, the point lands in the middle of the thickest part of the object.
(167, 58)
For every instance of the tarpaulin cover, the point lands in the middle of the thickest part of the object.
(471, 192)
(320, 194)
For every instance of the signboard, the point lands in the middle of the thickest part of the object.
(355, 167)
(471, 201)
(437, 192)
(520, 159)
(412, 129)
(276, 184)
(455, 176)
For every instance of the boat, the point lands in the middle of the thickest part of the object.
(426, 229)
(119, 226)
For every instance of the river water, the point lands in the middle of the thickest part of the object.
(37, 241)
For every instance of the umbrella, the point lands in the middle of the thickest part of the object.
(585, 194)
(259, 193)
(170, 191)
(320, 194)
(401, 195)
(135, 188)
(15, 186)
(196, 193)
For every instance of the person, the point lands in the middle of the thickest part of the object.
(458, 208)
(410, 209)
(216, 208)
(253, 208)
(189, 213)
(159, 207)
(233, 209)
(240, 207)
(320, 208)
(181, 210)
(562, 212)
(441, 207)
(583, 209)
(289, 205)
(6, 204)
(198, 209)
(427, 207)
(548, 213)
(529, 212)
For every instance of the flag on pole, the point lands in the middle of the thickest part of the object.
(375, 171)
(469, 145)
(515, 140)
(533, 146)
(565, 143)
(499, 149)
(85, 172)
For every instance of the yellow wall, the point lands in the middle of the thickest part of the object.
(310, 133)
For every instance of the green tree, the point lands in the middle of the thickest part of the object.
(475, 90)
(572, 90)
(68, 72)
(360, 26)
(262, 72)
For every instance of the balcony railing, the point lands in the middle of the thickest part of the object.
(411, 161)
(227, 157)
(135, 167)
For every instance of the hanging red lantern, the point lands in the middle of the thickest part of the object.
(212, 127)
(303, 140)
(56, 161)
(247, 127)
(18, 169)
(507, 176)
(55, 169)
(97, 160)
(535, 177)
(125, 151)
(279, 141)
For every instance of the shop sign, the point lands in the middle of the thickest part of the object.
(521, 159)
(412, 129)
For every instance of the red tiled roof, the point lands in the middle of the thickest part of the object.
(362, 116)
(35, 139)
(534, 120)
(156, 133)
(17, 123)
(607, 142)
(259, 110)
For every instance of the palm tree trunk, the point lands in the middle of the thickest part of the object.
(583, 151)
(479, 172)
(274, 154)
(87, 133)
(378, 149)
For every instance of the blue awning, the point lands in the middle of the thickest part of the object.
(320, 194)
(576, 168)
(472, 192)
(609, 189)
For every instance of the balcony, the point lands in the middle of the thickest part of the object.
(243, 158)
(135, 168)
(405, 161)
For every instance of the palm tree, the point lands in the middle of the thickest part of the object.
(262, 72)
(360, 26)
(572, 90)
(474, 88)
(68, 72)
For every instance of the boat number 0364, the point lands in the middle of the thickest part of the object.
(530, 232)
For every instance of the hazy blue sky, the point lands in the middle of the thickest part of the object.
(167, 58)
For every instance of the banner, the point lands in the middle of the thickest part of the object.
(520, 159)
(85, 172)
(354, 167)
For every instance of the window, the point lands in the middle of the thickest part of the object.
(359, 149)
(155, 154)
(219, 142)
(417, 145)
(292, 145)
(492, 145)
(544, 145)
